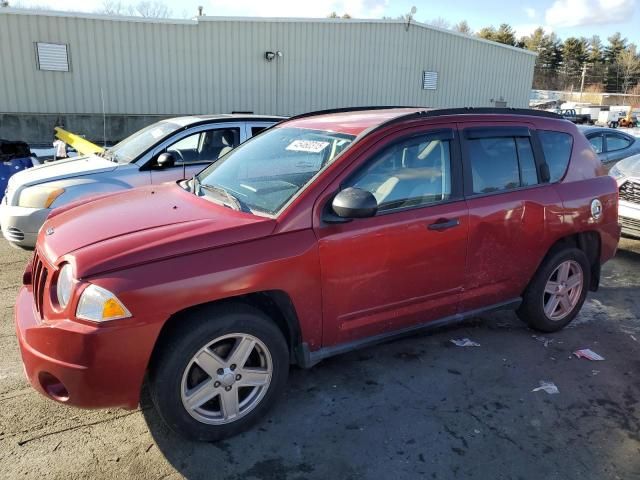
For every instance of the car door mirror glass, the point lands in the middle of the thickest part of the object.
(354, 203)
(166, 160)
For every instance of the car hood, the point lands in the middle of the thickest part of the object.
(62, 169)
(630, 166)
(142, 225)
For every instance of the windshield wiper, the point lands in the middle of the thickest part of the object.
(234, 201)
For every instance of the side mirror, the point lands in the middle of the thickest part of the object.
(354, 203)
(166, 160)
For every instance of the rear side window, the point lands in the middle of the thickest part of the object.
(256, 130)
(557, 152)
(501, 163)
(617, 142)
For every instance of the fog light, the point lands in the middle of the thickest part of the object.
(53, 387)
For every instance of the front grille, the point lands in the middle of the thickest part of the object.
(630, 191)
(15, 234)
(40, 274)
(630, 226)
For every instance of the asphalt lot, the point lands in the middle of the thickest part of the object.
(415, 408)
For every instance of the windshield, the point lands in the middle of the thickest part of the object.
(266, 172)
(129, 149)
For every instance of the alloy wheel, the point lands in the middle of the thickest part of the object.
(226, 379)
(563, 290)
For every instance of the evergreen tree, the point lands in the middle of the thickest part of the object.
(505, 34)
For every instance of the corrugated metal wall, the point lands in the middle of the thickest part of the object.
(217, 65)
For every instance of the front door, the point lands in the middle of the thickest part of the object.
(404, 266)
(195, 151)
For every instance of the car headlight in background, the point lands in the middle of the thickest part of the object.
(64, 285)
(40, 196)
(99, 305)
(616, 173)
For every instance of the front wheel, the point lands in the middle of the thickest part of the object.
(557, 291)
(218, 372)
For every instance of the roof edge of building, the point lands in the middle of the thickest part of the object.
(194, 21)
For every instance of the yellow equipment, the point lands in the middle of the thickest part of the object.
(82, 146)
(629, 120)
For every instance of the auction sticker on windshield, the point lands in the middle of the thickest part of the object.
(310, 146)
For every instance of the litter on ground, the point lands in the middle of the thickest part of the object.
(544, 340)
(464, 342)
(548, 387)
(588, 354)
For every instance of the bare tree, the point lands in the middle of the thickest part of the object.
(629, 66)
(149, 9)
(440, 23)
(463, 27)
(115, 7)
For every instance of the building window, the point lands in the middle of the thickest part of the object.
(429, 80)
(52, 56)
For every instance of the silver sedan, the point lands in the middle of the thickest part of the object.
(168, 150)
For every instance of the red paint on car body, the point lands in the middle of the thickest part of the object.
(162, 250)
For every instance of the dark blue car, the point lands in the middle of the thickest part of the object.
(14, 156)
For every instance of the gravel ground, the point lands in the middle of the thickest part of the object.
(414, 408)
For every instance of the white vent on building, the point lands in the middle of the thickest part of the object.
(429, 80)
(52, 56)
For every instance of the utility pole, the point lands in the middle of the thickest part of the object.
(584, 74)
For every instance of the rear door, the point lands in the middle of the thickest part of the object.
(404, 266)
(617, 146)
(510, 209)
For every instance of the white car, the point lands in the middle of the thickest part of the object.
(627, 174)
(168, 150)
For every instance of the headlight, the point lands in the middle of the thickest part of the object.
(99, 305)
(616, 173)
(64, 285)
(40, 196)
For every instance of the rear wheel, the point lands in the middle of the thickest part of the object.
(557, 291)
(219, 372)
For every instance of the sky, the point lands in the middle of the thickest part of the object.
(564, 17)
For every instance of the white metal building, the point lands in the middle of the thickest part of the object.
(67, 63)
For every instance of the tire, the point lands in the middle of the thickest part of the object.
(537, 299)
(175, 377)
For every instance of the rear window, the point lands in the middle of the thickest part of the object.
(617, 142)
(557, 152)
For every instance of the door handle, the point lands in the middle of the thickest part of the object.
(444, 224)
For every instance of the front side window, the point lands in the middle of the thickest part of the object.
(206, 146)
(617, 142)
(410, 173)
(557, 151)
(596, 143)
(263, 174)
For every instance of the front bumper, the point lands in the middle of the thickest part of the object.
(20, 225)
(629, 216)
(83, 365)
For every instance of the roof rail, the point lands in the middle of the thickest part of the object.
(439, 112)
(491, 110)
(349, 109)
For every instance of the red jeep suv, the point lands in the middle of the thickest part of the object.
(325, 233)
